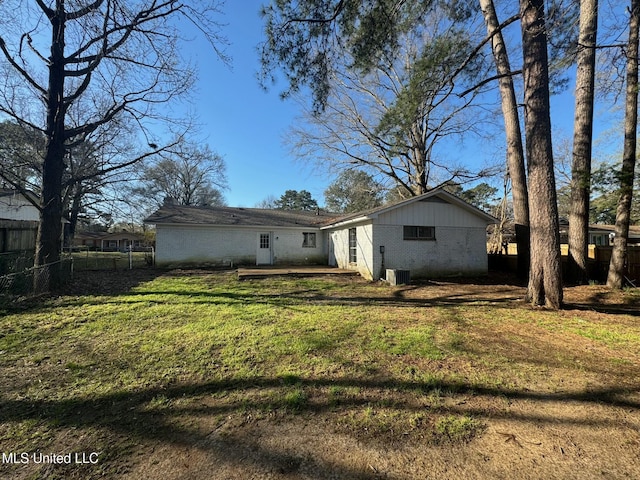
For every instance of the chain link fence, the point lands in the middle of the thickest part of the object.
(14, 262)
(32, 280)
(20, 278)
(86, 259)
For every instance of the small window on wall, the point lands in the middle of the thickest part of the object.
(413, 232)
(308, 240)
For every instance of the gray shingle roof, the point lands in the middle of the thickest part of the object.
(180, 214)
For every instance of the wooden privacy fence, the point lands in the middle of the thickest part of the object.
(599, 257)
(602, 256)
(17, 235)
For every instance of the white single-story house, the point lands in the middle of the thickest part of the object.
(430, 235)
(122, 241)
(604, 234)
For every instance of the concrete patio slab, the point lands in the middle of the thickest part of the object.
(292, 270)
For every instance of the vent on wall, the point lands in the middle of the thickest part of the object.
(398, 277)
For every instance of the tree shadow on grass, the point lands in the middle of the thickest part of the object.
(497, 291)
(608, 301)
(111, 282)
(86, 282)
(130, 414)
(609, 309)
(400, 297)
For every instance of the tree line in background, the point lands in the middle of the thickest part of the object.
(356, 191)
(391, 80)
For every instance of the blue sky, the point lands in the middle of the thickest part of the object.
(247, 125)
(242, 122)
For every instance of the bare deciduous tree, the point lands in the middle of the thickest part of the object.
(120, 57)
(188, 175)
(383, 104)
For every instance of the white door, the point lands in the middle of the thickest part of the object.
(263, 255)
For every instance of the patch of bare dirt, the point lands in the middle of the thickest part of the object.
(102, 282)
(527, 438)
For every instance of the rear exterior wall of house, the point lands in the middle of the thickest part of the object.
(457, 247)
(454, 251)
(202, 244)
(343, 255)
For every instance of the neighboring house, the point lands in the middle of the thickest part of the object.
(603, 234)
(18, 222)
(109, 242)
(599, 234)
(430, 235)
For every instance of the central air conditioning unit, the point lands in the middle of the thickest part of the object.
(398, 277)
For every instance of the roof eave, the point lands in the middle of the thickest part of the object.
(349, 221)
(452, 198)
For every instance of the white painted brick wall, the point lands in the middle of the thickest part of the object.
(196, 244)
(456, 251)
(287, 247)
(364, 254)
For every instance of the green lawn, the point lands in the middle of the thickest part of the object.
(115, 368)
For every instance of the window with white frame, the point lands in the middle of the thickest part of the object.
(309, 239)
(353, 246)
(418, 232)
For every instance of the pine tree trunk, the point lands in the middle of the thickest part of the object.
(617, 266)
(582, 142)
(515, 151)
(49, 237)
(545, 274)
